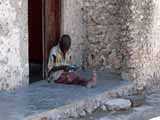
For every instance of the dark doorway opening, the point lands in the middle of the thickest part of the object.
(35, 40)
(44, 32)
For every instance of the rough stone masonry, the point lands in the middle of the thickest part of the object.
(122, 35)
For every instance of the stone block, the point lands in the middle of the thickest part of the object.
(136, 100)
(82, 114)
(118, 104)
(104, 108)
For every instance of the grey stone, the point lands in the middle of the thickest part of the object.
(125, 75)
(89, 110)
(136, 100)
(118, 104)
(104, 108)
(82, 113)
(74, 114)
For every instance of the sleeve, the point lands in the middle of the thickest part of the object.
(51, 59)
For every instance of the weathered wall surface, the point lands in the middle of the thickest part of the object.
(123, 35)
(72, 24)
(105, 21)
(13, 44)
(142, 61)
(95, 27)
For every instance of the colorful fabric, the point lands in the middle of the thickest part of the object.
(71, 78)
(56, 59)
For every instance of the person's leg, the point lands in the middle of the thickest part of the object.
(71, 78)
(66, 78)
(78, 80)
(93, 81)
(62, 79)
(75, 79)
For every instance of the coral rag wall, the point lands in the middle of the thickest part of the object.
(122, 35)
(142, 61)
(13, 44)
(72, 24)
(104, 21)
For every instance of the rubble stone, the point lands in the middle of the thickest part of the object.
(104, 108)
(136, 100)
(118, 104)
(82, 113)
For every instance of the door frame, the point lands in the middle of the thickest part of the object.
(45, 37)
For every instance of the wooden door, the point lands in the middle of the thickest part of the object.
(51, 28)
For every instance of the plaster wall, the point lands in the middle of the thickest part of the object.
(72, 24)
(13, 44)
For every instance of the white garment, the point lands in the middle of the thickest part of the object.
(56, 59)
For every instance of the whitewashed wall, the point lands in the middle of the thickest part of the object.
(13, 44)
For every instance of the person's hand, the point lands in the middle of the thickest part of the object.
(74, 67)
(66, 68)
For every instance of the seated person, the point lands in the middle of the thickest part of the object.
(59, 70)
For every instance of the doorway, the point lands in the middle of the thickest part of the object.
(44, 32)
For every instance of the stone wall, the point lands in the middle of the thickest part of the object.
(72, 24)
(105, 20)
(124, 35)
(142, 62)
(95, 32)
(13, 44)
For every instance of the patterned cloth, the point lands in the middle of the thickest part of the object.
(56, 59)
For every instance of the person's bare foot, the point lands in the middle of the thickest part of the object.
(69, 79)
(93, 81)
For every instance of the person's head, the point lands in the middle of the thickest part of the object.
(65, 43)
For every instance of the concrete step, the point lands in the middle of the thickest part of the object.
(44, 100)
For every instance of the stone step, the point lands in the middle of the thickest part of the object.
(88, 105)
(136, 100)
(118, 104)
(45, 100)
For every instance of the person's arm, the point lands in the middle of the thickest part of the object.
(61, 67)
(58, 68)
(52, 67)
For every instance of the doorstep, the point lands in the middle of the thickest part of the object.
(46, 101)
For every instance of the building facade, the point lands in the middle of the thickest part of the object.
(121, 35)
